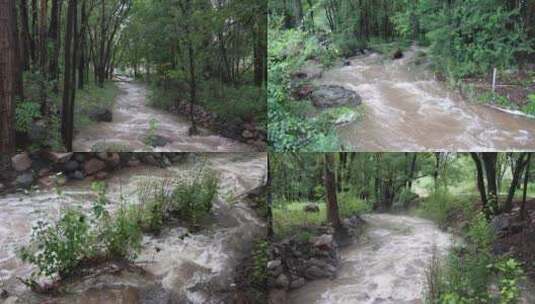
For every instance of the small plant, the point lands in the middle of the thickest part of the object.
(122, 234)
(261, 258)
(509, 272)
(59, 248)
(25, 113)
(150, 139)
(193, 198)
(529, 108)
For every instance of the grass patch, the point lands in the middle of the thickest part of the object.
(92, 97)
(289, 217)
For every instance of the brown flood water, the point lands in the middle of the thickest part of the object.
(406, 109)
(131, 120)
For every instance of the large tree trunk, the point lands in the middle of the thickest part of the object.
(42, 51)
(489, 161)
(520, 164)
(26, 36)
(82, 46)
(269, 199)
(54, 34)
(523, 213)
(412, 170)
(8, 72)
(330, 189)
(68, 107)
(480, 180)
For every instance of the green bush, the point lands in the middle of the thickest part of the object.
(25, 113)
(60, 247)
(438, 206)
(192, 198)
(261, 258)
(529, 108)
(122, 235)
(350, 204)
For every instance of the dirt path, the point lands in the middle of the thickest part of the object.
(131, 122)
(407, 110)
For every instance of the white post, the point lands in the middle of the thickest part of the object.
(494, 81)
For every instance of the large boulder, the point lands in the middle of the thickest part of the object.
(324, 242)
(327, 96)
(398, 54)
(21, 162)
(57, 157)
(311, 207)
(101, 114)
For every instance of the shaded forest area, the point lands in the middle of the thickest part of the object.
(61, 58)
(487, 199)
(463, 40)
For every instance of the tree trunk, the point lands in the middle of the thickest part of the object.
(412, 170)
(523, 213)
(54, 34)
(67, 109)
(269, 201)
(489, 161)
(520, 164)
(330, 189)
(8, 71)
(480, 180)
(42, 51)
(26, 36)
(82, 47)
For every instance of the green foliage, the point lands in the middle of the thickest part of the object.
(150, 138)
(59, 248)
(260, 260)
(192, 198)
(510, 272)
(25, 113)
(439, 206)
(90, 98)
(122, 235)
(529, 108)
(350, 204)
(289, 129)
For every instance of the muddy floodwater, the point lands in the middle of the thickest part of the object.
(131, 123)
(407, 110)
(386, 266)
(176, 266)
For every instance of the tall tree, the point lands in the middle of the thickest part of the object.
(330, 189)
(68, 89)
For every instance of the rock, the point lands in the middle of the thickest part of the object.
(2, 187)
(11, 300)
(150, 160)
(247, 134)
(93, 166)
(71, 165)
(114, 160)
(311, 207)
(165, 162)
(311, 70)
(101, 114)
(282, 281)
(327, 96)
(297, 283)
(347, 63)
(314, 272)
(133, 163)
(43, 172)
(3, 293)
(77, 175)
(57, 157)
(398, 54)
(323, 242)
(303, 91)
(21, 162)
(500, 223)
(24, 181)
(80, 157)
(101, 175)
(45, 182)
(277, 296)
(273, 264)
(159, 141)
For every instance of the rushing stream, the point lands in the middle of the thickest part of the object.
(131, 124)
(407, 110)
(386, 266)
(176, 266)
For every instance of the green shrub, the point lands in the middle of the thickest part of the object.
(350, 204)
(192, 198)
(60, 247)
(509, 273)
(529, 108)
(25, 113)
(155, 199)
(261, 258)
(438, 206)
(122, 234)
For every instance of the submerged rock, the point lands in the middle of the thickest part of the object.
(398, 54)
(327, 96)
(311, 208)
(21, 162)
(101, 114)
(24, 181)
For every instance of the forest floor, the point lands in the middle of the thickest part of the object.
(408, 109)
(138, 127)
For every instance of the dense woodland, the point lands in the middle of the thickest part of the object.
(469, 193)
(465, 41)
(204, 52)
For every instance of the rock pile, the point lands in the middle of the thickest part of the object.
(248, 132)
(294, 261)
(43, 168)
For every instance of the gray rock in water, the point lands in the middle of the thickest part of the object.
(101, 114)
(158, 141)
(314, 272)
(71, 165)
(24, 181)
(273, 264)
(282, 281)
(297, 283)
(327, 96)
(77, 175)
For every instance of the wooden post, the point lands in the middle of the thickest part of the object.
(494, 81)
